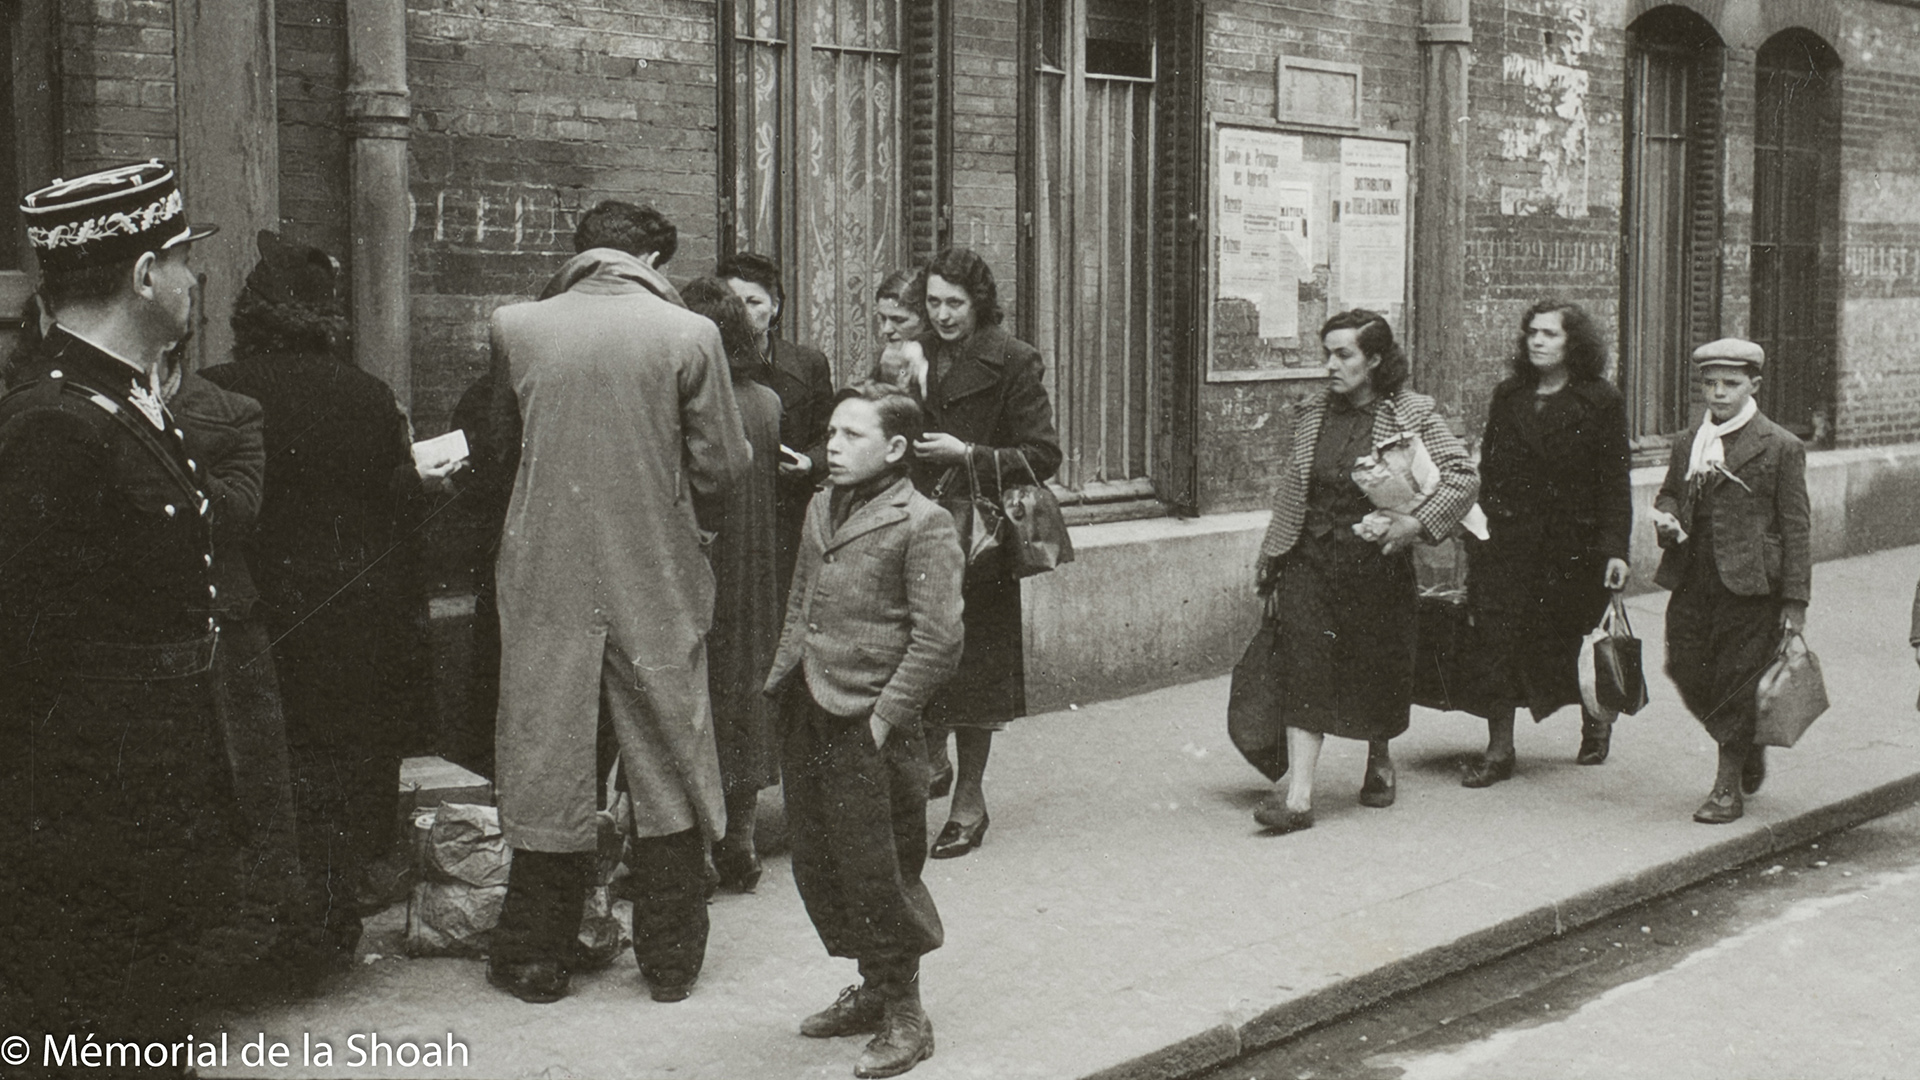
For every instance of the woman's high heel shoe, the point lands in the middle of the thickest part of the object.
(956, 839)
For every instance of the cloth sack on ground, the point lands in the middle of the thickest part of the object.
(1792, 694)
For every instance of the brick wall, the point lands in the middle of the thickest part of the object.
(117, 86)
(310, 85)
(986, 136)
(1242, 439)
(525, 114)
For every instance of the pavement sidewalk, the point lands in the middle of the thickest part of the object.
(1126, 918)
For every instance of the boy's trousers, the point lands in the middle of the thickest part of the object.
(857, 817)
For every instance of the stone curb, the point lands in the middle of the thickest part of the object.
(1219, 1045)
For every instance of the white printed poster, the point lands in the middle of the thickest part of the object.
(1264, 250)
(1373, 223)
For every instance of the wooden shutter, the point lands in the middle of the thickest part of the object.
(1705, 176)
(1181, 253)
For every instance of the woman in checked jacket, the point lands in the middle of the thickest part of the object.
(1341, 571)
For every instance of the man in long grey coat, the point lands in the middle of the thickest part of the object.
(620, 405)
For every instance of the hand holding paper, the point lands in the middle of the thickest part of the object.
(439, 457)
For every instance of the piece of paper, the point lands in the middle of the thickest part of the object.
(1263, 227)
(1373, 223)
(440, 450)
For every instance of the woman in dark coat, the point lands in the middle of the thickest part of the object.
(337, 579)
(1554, 481)
(1340, 569)
(747, 605)
(986, 403)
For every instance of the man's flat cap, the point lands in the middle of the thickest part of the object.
(1730, 350)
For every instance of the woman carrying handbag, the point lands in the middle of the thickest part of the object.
(987, 408)
(1733, 518)
(1554, 480)
(1339, 566)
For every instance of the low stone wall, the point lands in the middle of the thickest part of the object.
(1152, 603)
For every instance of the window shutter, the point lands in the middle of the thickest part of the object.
(927, 184)
(1184, 144)
(1706, 156)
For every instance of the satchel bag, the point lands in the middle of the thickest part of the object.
(1035, 533)
(977, 518)
(1792, 694)
(1253, 700)
(1620, 682)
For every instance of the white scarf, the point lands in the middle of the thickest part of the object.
(1709, 446)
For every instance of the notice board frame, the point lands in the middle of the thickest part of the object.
(1238, 347)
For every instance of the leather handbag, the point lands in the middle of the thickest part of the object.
(977, 518)
(1036, 533)
(1620, 682)
(1792, 693)
(1253, 700)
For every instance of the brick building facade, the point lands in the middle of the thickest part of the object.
(1685, 170)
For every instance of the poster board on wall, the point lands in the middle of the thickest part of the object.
(1304, 224)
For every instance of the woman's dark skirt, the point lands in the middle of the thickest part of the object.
(1534, 602)
(1718, 644)
(1345, 648)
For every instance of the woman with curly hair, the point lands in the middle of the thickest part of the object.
(1554, 482)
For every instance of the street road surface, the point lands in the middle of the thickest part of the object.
(1801, 967)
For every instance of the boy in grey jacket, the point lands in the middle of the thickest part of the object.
(873, 628)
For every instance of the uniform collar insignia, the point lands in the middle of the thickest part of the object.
(148, 403)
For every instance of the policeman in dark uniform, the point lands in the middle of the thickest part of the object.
(115, 797)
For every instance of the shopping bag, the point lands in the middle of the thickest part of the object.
(1253, 700)
(1447, 656)
(1035, 533)
(1589, 682)
(1620, 682)
(977, 518)
(1792, 693)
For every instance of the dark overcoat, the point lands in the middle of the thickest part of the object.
(804, 382)
(341, 594)
(988, 389)
(1556, 484)
(747, 606)
(115, 800)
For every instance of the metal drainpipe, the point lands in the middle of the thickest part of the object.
(1440, 237)
(381, 209)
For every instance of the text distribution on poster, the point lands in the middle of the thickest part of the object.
(1373, 223)
(1263, 214)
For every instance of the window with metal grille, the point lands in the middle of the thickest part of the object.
(1796, 224)
(1671, 221)
(811, 159)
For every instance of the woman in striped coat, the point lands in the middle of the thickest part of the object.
(1340, 569)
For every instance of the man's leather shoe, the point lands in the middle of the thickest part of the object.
(1754, 772)
(956, 839)
(1720, 808)
(539, 982)
(736, 868)
(1487, 772)
(859, 1010)
(905, 1038)
(1277, 819)
(669, 992)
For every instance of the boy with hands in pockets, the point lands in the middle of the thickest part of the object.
(872, 629)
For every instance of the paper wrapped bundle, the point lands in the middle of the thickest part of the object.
(1386, 486)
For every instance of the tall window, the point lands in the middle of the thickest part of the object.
(1671, 279)
(1088, 265)
(1796, 222)
(811, 96)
